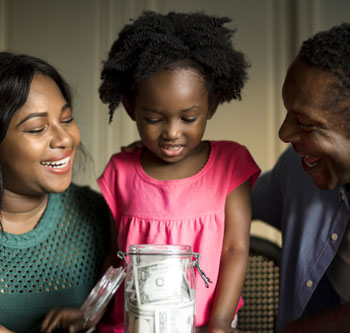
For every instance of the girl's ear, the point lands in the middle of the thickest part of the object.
(213, 108)
(128, 106)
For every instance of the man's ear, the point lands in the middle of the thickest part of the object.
(213, 108)
(129, 108)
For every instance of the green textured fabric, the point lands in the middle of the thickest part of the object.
(57, 263)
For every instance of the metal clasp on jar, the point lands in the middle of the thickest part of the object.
(201, 273)
(122, 255)
(206, 279)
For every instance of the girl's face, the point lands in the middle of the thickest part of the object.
(37, 153)
(171, 111)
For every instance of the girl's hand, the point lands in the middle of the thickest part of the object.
(5, 330)
(71, 320)
(132, 147)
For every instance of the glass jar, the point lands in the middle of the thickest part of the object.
(159, 289)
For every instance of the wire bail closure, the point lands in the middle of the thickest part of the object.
(200, 271)
(122, 255)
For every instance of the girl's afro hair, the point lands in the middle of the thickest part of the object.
(154, 42)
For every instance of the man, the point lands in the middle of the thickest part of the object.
(307, 194)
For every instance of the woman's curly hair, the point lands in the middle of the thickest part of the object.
(188, 40)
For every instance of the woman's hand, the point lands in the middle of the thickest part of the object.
(5, 330)
(71, 320)
(132, 147)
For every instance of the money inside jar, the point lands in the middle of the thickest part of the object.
(159, 289)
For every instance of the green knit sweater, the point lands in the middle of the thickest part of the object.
(57, 263)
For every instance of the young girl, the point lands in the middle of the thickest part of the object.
(170, 72)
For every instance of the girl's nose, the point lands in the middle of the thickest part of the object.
(61, 138)
(171, 131)
(289, 130)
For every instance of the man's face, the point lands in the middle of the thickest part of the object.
(318, 134)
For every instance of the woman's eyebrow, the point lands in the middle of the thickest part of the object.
(40, 114)
(32, 115)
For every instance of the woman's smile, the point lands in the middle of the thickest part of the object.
(58, 167)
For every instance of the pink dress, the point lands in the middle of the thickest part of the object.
(188, 211)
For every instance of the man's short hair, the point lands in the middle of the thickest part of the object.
(329, 51)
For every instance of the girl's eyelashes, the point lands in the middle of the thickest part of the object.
(189, 120)
(186, 120)
(152, 120)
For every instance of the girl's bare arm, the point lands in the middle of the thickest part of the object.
(234, 258)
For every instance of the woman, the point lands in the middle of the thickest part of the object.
(52, 238)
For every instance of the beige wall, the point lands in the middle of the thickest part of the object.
(75, 35)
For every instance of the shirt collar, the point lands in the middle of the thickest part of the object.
(344, 194)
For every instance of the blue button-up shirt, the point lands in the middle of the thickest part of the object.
(312, 222)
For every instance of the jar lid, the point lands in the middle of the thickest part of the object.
(152, 249)
(102, 293)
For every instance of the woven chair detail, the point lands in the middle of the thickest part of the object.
(261, 287)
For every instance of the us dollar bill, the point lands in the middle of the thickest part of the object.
(161, 281)
(159, 297)
(175, 318)
(140, 320)
(171, 318)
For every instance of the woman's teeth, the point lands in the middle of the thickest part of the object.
(57, 164)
